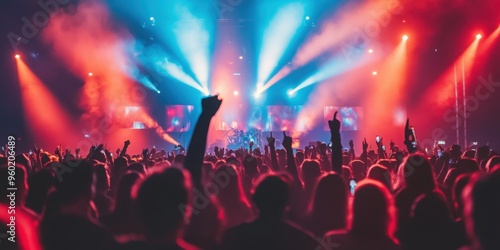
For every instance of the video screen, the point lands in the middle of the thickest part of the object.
(282, 118)
(178, 118)
(350, 117)
(132, 118)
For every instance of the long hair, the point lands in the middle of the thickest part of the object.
(329, 201)
(416, 173)
(372, 210)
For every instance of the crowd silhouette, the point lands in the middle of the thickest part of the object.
(270, 198)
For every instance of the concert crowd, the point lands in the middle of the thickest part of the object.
(320, 197)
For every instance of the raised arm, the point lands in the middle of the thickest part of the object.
(124, 150)
(290, 160)
(409, 138)
(274, 160)
(198, 143)
(336, 144)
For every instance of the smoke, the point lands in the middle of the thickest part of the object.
(88, 41)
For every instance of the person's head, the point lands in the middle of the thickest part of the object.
(458, 188)
(300, 157)
(358, 169)
(41, 184)
(469, 153)
(416, 173)
(372, 212)
(430, 215)
(234, 161)
(311, 170)
(227, 178)
(382, 174)
(123, 199)
(163, 202)
(77, 185)
(250, 164)
(492, 162)
(102, 178)
(137, 167)
(481, 206)
(271, 196)
(330, 198)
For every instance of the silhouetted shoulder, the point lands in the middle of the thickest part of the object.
(265, 235)
(342, 239)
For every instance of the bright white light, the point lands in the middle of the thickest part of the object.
(175, 71)
(405, 37)
(374, 73)
(17, 56)
(241, 57)
(478, 36)
(370, 51)
(291, 93)
(152, 18)
(192, 39)
(307, 18)
(236, 92)
(277, 37)
(257, 95)
(91, 74)
(158, 91)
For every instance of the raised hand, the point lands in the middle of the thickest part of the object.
(126, 143)
(287, 141)
(271, 140)
(334, 124)
(409, 137)
(365, 145)
(351, 144)
(251, 144)
(392, 144)
(210, 105)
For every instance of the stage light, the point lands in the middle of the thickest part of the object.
(158, 91)
(152, 18)
(370, 51)
(257, 94)
(478, 36)
(241, 57)
(291, 93)
(374, 73)
(405, 37)
(307, 18)
(236, 92)
(278, 33)
(91, 74)
(17, 56)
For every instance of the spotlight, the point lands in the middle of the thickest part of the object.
(291, 93)
(158, 91)
(152, 18)
(478, 36)
(17, 56)
(257, 95)
(405, 37)
(236, 92)
(370, 51)
(91, 74)
(307, 18)
(241, 57)
(374, 73)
